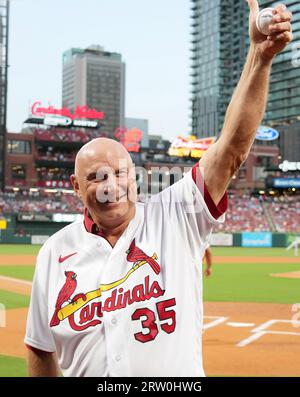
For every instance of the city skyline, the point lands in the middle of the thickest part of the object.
(156, 55)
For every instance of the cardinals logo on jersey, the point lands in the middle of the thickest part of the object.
(134, 255)
(64, 295)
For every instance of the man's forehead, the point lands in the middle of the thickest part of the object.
(97, 155)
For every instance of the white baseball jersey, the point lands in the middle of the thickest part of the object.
(134, 309)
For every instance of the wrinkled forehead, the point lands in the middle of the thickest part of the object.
(95, 159)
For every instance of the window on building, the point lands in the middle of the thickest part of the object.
(19, 147)
(18, 171)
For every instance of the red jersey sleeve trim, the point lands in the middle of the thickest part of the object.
(215, 210)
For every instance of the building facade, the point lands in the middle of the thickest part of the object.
(4, 21)
(142, 125)
(284, 96)
(95, 78)
(290, 142)
(219, 47)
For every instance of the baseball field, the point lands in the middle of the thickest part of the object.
(252, 311)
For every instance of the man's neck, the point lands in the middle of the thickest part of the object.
(112, 231)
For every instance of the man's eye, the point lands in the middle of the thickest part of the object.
(121, 173)
(91, 177)
(102, 177)
(97, 177)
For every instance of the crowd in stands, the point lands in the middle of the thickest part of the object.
(67, 135)
(285, 212)
(37, 202)
(49, 174)
(245, 213)
(56, 155)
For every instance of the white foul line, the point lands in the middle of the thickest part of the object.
(218, 320)
(237, 325)
(15, 280)
(261, 330)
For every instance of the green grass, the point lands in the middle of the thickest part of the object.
(13, 301)
(220, 251)
(252, 283)
(240, 282)
(12, 367)
(21, 272)
(19, 249)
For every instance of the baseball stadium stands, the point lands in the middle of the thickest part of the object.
(245, 213)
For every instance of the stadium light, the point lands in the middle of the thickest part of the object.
(68, 191)
(50, 191)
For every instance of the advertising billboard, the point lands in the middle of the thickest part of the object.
(286, 183)
(190, 147)
(256, 239)
(265, 133)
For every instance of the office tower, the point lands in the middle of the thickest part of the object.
(4, 19)
(95, 78)
(219, 47)
(284, 96)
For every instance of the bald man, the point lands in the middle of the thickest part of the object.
(120, 293)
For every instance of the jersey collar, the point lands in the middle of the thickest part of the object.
(90, 225)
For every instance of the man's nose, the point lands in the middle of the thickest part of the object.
(107, 190)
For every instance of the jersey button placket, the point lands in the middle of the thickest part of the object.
(115, 346)
(118, 358)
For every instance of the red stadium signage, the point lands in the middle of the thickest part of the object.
(129, 138)
(81, 112)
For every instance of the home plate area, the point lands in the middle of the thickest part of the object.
(251, 339)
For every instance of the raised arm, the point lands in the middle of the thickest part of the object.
(247, 107)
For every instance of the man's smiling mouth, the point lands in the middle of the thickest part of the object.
(110, 202)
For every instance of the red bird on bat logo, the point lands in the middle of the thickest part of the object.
(64, 295)
(135, 254)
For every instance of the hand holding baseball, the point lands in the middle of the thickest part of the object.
(279, 32)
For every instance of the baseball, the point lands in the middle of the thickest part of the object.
(263, 20)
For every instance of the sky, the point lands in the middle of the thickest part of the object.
(152, 36)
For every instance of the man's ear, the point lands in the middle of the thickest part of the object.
(75, 185)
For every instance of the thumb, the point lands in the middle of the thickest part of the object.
(254, 7)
